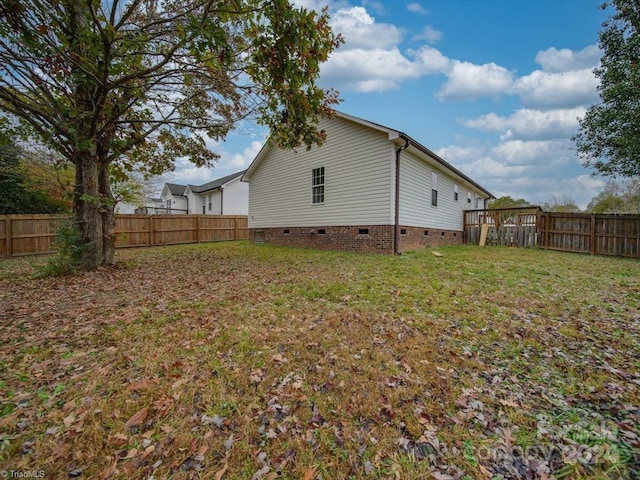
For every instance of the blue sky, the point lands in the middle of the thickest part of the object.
(495, 87)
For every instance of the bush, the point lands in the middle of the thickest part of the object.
(68, 249)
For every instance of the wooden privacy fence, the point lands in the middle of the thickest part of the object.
(34, 234)
(596, 234)
(515, 227)
(592, 233)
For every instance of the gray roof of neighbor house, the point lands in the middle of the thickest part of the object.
(215, 184)
(393, 133)
(176, 189)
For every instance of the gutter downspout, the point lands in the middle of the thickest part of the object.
(396, 229)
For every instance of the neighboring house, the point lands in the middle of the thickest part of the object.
(367, 188)
(224, 196)
(174, 200)
(153, 206)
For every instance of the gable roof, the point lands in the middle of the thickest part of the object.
(176, 189)
(215, 184)
(395, 136)
(181, 190)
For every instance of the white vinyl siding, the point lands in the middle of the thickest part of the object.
(234, 197)
(216, 197)
(416, 184)
(358, 181)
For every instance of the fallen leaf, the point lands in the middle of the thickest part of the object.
(137, 419)
(132, 453)
(220, 472)
(309, 474)
(110, 470)
(261, 473)
(117, 439)
(68, 420)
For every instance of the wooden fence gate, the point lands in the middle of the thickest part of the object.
(592, 233)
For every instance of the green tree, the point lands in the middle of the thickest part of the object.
(609, 135)
(617, 197)
(20, 195)
(116, 86)
(508, 202)
(564, 204)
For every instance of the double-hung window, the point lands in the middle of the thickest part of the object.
(317, 185)
(434, 189)
(455, 192)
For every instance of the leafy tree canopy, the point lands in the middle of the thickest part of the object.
(609, 135)
(22, 191)
(564, 204)
(117, 86)
(617, 197)
(508, 202)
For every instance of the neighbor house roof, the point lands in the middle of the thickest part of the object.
(176, 189)
(215, 184)
(395, 136)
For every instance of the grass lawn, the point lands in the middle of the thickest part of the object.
(237, 361)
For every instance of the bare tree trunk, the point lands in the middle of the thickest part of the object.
(108, 216)
(87, 209)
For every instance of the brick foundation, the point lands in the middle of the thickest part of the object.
(361, 238)
(417, 238)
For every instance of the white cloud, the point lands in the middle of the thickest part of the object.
(360, 30)
(188, 174)
(241, 161)
(430, 60)
(486, 168)
(429, 34)
(376, 6)
(565, 60)
(528, 124)
(374, 70)
(414, 7)
(519, 152)
(467, 81)
(557, 90)
(316, 5)
(534, 170)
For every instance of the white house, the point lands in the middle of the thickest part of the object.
(367, 188)
(224, 196)
(174, 199)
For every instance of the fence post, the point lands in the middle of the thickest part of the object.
(235, 227)
(151, 239)
(547, 221)
(198, 229)
(592, 247)
(9, 234)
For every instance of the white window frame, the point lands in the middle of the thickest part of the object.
(434, 189)
(455, 192)
(318, 182)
